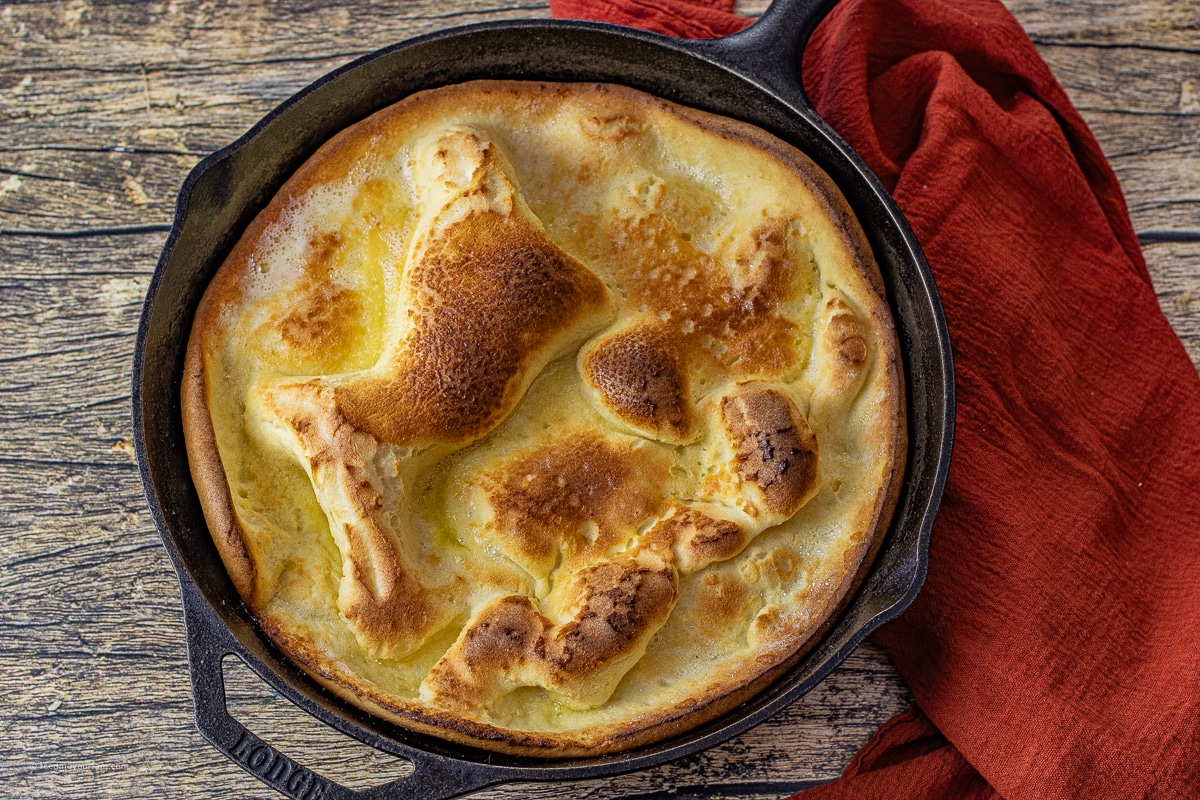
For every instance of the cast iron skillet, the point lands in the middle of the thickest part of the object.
(752, 76)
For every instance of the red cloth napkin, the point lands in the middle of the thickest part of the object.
(1056, 645)
(690, 19)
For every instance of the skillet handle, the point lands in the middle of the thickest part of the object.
(769, 51)
(209, 642)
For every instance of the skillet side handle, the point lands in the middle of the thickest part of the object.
(208, 644)
(769, 51)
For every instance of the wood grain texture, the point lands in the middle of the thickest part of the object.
(103, 110)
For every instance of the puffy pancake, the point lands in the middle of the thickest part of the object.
(548, 418)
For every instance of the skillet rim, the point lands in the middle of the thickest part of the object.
(204, 618)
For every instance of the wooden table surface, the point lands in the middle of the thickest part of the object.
(104, 108)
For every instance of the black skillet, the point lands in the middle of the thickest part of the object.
(752, 76)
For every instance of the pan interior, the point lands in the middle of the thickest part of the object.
(229, 188)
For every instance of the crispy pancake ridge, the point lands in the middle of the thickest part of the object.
(548, 418)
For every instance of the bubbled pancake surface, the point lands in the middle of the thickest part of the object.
(548, 418)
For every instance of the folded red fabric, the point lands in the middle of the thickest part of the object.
(688, 19)
(1056, 644)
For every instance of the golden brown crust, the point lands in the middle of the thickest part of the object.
(509, 643)
(390, 608)
(776, 451)
(701, 539)
(489, 296)
(449, 509)
(204, 462)
(542, 499)
(642, 379)
(461, 368)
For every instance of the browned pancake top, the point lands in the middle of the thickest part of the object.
(547, 418)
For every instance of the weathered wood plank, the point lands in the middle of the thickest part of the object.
(1116, 24)
(190, 77)
(154, 98)
(1146, 115)
(1175, 268)
(62, 190)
